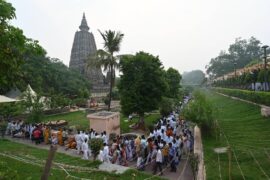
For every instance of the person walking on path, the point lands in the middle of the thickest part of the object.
(158, 164)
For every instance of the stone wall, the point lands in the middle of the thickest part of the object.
(198, 151)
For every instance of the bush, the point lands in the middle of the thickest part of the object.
(3, 127)
(95, 145)
(200, 111)
(254, 96)
(81, 102)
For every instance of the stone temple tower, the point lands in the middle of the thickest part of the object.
(83, 47)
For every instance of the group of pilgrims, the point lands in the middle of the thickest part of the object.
(170, 139)
(164, 146)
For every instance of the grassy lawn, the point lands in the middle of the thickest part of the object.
(28, 171)
(79, 120)
(248, 134)
(150, 120)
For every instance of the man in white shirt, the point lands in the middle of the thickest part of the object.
(106, 156)
(78, 142)
(158, 161)
(85, 150)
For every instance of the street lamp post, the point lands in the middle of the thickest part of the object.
(234, 69)
(235, 72)
(265, 63)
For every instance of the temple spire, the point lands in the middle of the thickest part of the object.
(84, 26)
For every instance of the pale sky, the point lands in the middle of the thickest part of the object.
(185, 34)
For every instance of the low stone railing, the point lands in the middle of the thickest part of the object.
(198, 151)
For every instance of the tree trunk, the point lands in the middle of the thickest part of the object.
(47, 168)
(141, 124)
(111, 86)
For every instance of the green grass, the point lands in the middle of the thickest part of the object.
(150, 120)
(24, 170)
(248, 134)
(79, 120)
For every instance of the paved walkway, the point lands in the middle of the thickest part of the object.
(184, 171)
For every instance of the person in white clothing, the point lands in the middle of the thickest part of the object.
(100, 156)
(85, 149)
(106, 156)
(158, 161)
(78, 142)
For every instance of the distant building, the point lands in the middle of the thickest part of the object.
(84, 46)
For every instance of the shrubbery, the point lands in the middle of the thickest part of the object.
(254, 96)
(95, 146)
(200, 111)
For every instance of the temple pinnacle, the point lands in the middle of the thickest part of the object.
(84, 26)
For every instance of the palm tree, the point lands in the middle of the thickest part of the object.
(106, 58)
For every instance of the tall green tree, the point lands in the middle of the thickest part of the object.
(142, 84)
(106, 58)
(195, 77)
(14, 48)
(11, 47)
(173, 78)
(241, 52)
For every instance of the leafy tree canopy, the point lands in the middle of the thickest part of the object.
(195, 77)
(173, 79)
(142, 83)
(241, 52)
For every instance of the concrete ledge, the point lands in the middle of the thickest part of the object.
(265, 111)
(198, 151)
(112, 168)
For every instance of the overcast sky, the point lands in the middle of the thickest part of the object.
(185, 34)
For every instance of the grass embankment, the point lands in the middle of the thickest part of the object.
(28, 171)
(259, 97)
(79, 120)
(248, 134)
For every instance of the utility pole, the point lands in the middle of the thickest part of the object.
(48, 164)
(235, 73)
(265, 64)
(234, 69)
(230, 162)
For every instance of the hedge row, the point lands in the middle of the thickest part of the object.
(259, 97)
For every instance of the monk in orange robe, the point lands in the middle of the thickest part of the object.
(60, 137)
(46, 135)
(71, 143)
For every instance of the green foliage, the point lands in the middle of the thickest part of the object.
(194, 162)
(142, 83)
(115, 94)
(106, 59)
(3, 127)
(23, 62)
(173, 79)
(14, 49)
(195, 77)
(51, 77)
(34, 105)
(166, 106)
(81, 102)
(9, 110)
(200, 111)
(96, 144)
(241, 52)
(254, 96)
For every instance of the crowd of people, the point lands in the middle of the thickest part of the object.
(163, 147)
